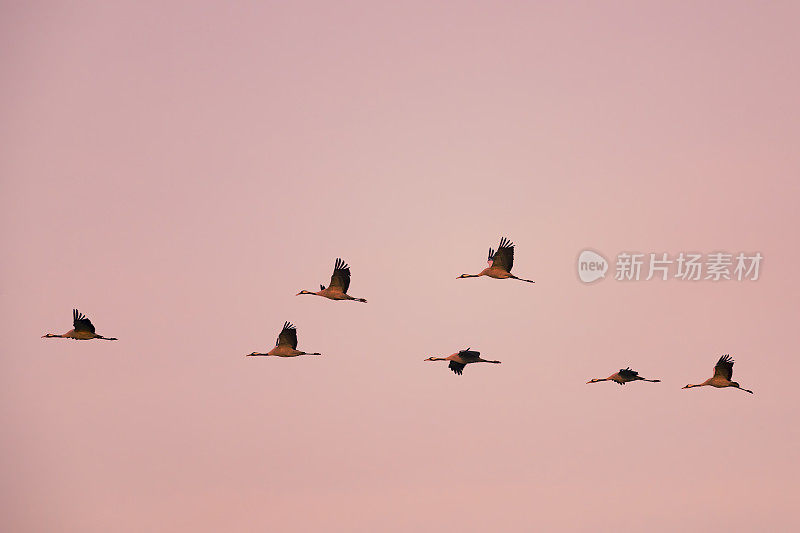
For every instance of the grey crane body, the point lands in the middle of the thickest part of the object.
(83, 330)
(500, 263)
(461, 359)
(625, 375)
(340, 282)
(286, 345)
(723, 372)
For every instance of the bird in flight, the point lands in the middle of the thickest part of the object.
(286, 345)
(723, 372)
(623, 376)
(340, 282)
(461, 359)
(500, 263)
(83, 329)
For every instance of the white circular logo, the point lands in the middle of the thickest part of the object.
(591, 266)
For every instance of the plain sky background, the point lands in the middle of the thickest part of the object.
(180, 170)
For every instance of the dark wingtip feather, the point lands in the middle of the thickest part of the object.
(457, 368)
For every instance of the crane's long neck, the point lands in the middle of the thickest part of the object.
(651, 380)
(597, 380)
(437, 359)
(51, 335)
(469, 276)
(318, 293)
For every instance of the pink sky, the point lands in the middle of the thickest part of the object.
(179, 172)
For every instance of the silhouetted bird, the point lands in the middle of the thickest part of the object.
(286, 345)
(83, 329)
(461, 359)
(624, 376)
(340, 282)
(500, 263)
(723, 372)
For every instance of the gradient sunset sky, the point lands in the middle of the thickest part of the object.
(178, 171)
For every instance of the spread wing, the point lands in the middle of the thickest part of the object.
(627, 373)
(458, 368)
(724, 367)
(341, 276)
(288, 336)
(504, 258)
(80, 322)
(468, 355)
(491, 256)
